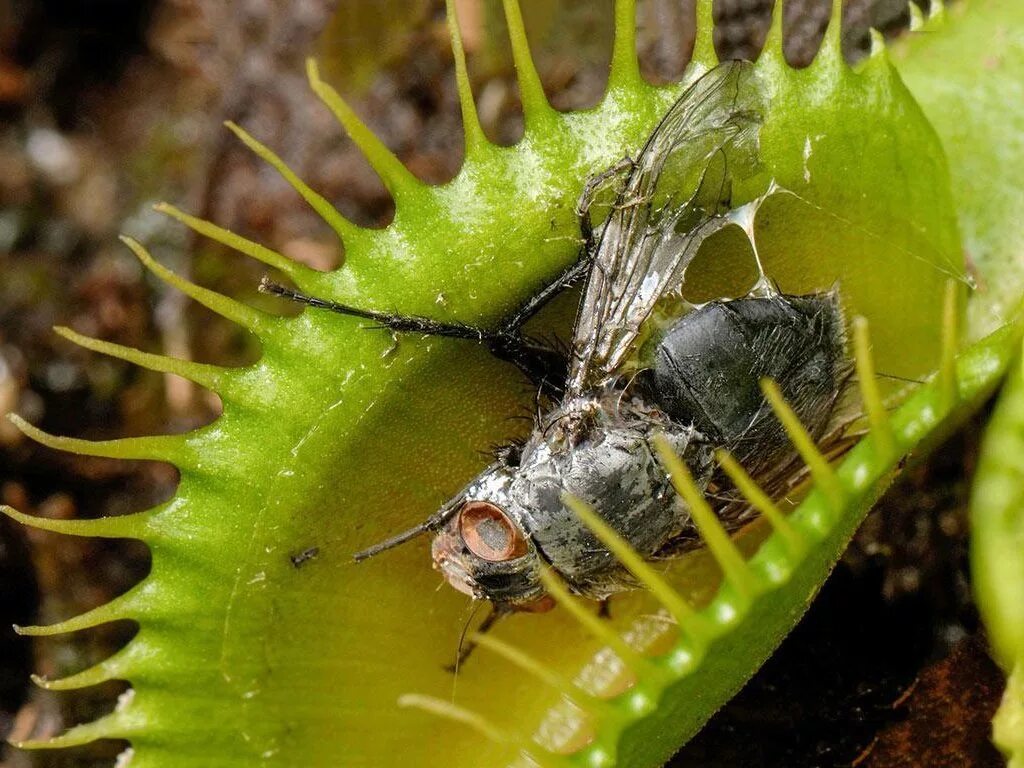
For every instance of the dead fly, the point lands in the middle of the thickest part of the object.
(642, 362)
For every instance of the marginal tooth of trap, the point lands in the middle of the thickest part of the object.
(531, 91)
(824, 477)
(169, 448)
(597, 626)
(345, 229)
(112, 668)
(398, 179)
(796, 543)
(773, 50)
(474, 133)
(121, 608)
(209, 376)
(120, 527)
(878, 46)
(483, 726)
(527, 663)
(242, 314)
(253, 250)
(881, 428)
(938, 10)
(917, 20)
(948, 387)
(831, 51)
(704, 53)
(722, 548)
(625, 69)
(113, 726)
(684, 614)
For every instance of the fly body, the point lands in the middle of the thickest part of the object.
(632, 375)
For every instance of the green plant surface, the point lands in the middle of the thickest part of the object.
(997, 554)
(969, 80)
(338, 437)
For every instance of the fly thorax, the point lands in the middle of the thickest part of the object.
(612, 467)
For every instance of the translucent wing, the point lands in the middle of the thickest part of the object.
(678, 192)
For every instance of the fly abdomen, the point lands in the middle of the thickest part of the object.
(707, 368)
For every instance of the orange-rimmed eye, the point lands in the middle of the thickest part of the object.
(489, 533)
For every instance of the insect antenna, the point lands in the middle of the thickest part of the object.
(430, 525)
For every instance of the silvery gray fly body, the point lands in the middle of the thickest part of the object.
(642, 362)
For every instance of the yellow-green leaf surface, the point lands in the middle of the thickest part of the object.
(337, 437)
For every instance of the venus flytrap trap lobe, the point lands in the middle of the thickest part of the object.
(231, 635)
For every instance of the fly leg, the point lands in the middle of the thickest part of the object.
(544, 365)
(466, 648)
(610, 178)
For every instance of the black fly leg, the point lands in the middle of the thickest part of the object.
(466, 648)
(594, 186)
(545, 365)
(398, 323)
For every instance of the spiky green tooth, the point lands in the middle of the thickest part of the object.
(950, 344)
(772, 52)
(536, 109)
(734, 567)
(581, 699)
(120, 527)
(625, 67)
(242, 314)
(168, 448)
(472, 130)
(871, 397)
(398, 180)
(684, 614)
(261, 253)
(821, 470)
(114, 667)
(122, 723)
(878, 46)
(209, 376)
(348, 232)
(917, 19)
(600, 629)
(458, 714)
(830, 55)
(796, 542)
(123, 607)
(704, 54)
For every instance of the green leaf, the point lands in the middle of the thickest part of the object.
(248, 654)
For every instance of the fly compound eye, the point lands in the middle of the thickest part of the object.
(489, 533)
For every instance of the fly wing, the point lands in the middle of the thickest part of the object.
(676, 195)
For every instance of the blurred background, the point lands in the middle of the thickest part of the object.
(109, 106)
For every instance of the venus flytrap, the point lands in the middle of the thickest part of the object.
(244, 659)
